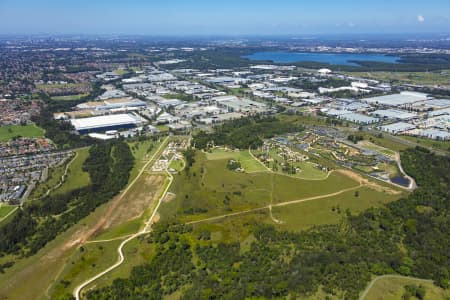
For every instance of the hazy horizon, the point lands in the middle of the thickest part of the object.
(230, 18)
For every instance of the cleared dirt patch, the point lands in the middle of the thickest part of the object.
(140, 197)
(169, 197)
(370, 184)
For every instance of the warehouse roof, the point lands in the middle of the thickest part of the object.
(397, 99)
(358, 118)
(394, 114)
(104, 121)
(397, 127)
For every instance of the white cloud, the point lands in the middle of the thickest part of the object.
(420, 18)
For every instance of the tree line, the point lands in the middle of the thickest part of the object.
(244, 133)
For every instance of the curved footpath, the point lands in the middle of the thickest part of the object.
(370, 285)
(146, 229)
(62, 180)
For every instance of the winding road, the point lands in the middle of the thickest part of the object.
(146, 229)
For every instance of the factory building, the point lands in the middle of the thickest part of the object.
(406, 99)
(105, 123)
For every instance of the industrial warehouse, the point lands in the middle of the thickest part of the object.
(105, 123)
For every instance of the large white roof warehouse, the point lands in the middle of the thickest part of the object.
(104, 123)
(403, 98)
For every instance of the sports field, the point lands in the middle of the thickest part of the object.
(12, 131)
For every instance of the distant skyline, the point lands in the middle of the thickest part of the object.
(244, 17)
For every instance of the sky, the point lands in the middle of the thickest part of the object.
(223, 17)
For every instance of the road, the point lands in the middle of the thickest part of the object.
(412, 183)
(370, 285)
(146, 229)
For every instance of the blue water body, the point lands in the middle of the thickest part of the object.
(329, 58)
(400, 180)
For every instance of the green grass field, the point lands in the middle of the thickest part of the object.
(69, 97)
(86, 261)
(210, 189)
(120, 230)
(137, 252)
(248, 163)
(330, 210)
(5, 210)
(393, 289)
(12, 131)
(176, 164)
(46, 87)
(76, 177)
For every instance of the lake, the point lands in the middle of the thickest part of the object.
(329, 58)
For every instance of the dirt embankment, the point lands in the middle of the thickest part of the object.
(366, 182)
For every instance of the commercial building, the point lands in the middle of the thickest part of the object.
(402, 99)
(112, 104)
(394, 114)
(358, 118)
(105, 123)
(397, 127)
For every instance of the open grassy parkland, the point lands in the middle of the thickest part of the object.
(226, 203)
(208, 190)
(206, 195)
(13, 131)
